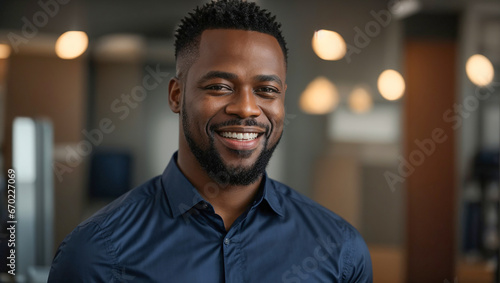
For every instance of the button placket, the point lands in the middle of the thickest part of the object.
(232, 256)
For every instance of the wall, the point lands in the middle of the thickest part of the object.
(42, 85)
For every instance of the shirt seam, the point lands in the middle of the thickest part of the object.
(348, 256)
(110, 249)
(127, 202)
(107, 242)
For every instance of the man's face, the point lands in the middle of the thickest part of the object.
(233, 104)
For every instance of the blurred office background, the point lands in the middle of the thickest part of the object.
(392, 121)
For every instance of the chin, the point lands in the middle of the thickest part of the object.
(239, 166)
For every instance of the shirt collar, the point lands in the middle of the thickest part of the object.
(270, 195)
(183, 196)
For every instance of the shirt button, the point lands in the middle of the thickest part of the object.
(227, 241)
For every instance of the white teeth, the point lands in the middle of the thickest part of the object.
(240, 136)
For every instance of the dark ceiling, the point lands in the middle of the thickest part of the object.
(151, 18)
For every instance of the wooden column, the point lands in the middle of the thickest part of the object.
(430, 54)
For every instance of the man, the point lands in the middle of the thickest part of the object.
(214, 215)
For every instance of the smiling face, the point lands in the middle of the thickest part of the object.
(231, 103)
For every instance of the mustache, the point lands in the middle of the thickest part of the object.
(239, 122)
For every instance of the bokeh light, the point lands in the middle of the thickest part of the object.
(71, 44)
(391, 84)
(319, 97)
(4, 51)
(328, 45)
(360, 100)
(479, 70)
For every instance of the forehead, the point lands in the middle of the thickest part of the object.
(239, 51)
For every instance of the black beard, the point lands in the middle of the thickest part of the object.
(211, 161)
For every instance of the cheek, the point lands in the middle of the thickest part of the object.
(276, 115)
(201, 111)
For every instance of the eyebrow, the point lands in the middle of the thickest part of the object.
(230, 76)
(217, 74)
(268, 78)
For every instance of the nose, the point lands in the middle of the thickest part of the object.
(244, 105)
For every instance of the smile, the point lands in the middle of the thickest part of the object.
(239, 140)
(240, 136)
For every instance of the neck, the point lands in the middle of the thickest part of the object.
(228, 201)
(231, 201)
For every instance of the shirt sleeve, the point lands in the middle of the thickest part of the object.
(358, 264)
(83, 256)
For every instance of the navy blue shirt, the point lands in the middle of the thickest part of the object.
(164, 231)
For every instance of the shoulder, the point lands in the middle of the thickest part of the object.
(84, 253)
(136, 199)
(297, 204)
(331, 230)
(89, 251)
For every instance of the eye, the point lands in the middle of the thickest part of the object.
(215, 87)
(267, 91)
(218, 89)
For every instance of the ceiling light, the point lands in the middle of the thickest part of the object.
(319, 97)
(479, 70)
(71, 44)
(328, 45)
(4, 51)
(391, 84)
(360, 100)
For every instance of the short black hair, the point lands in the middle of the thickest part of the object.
(226, 14)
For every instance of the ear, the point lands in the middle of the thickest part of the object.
(174, 95)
